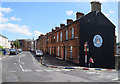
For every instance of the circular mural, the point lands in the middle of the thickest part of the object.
(97, 41)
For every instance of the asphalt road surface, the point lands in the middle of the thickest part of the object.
(25, 68)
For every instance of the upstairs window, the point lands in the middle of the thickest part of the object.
(57, 37)
(66, 34)
(54, 39)
(72, 33)
(61, 36)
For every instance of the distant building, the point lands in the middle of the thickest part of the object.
(4, 41)
(26, 44)
(118, 49)
(67, 41)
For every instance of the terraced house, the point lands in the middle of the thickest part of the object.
(67, 41)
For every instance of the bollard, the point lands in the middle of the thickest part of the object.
(41, 59)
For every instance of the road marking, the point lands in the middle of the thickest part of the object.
(14, 63)
(48, 70)
(12, 71)
(101, 76)
(27, 70)
(21, 68)
(19, 60)
(38, 70)
(65, 70)
(91, 72)
(11, 56)
(109, 76)
(58, 70)
(115, 79)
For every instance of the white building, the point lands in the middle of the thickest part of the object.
(4, 41)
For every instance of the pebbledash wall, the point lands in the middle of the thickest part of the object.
(67, 41)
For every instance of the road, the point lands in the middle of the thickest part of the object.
(25, 68)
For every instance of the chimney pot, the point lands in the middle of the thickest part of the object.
(53, 30)
(62, 25)
(79, 15)
(69, 21)
(56, 28)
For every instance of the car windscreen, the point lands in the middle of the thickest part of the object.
(12, 50)
(38, 51)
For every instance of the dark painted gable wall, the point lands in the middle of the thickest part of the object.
(90, 25)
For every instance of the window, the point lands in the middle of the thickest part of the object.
(58, 50)
(72, 33)
(57, 37)
(50, 51)
(66, 35)
(61, 37)
(70, 51)
(54, 39)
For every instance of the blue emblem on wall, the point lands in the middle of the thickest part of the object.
(97, 41)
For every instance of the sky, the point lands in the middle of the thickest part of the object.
(27, 20)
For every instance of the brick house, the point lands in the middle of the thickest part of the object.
(67, 41)
(26, 44)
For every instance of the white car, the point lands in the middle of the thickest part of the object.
(39, 53)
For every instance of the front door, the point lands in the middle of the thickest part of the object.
(65, 54)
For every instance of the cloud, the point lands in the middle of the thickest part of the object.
(15, 28)
(69, 12)
(38, 33)
(15, 19)
(6, 10)
(64, 22)
(58, 0)
(111, 11)
(106, 14)
(1, 14)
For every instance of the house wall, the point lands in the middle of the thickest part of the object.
(52, 47)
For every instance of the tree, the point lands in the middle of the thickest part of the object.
(1, 47)
(16, 44)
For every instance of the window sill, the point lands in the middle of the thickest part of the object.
(70, 58)
(66, 40)
(72, 39)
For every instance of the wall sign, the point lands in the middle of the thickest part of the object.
(97, 41)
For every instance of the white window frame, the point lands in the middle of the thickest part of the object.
(54, 38)
(66, 34)
(50, 51)
(71, 51)
(61, 36)
(58, 50)
(57, 37)
(72, 33)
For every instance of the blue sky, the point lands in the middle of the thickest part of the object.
(30, 19)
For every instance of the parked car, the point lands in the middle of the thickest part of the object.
(13, 51)
(31, 50)
(39, 53)
(19, 50)
(34, 51)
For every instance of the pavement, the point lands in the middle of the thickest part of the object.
(53, 62)
(25, 68)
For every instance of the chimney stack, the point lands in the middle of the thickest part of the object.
(62, 25)
(79, 15)
(95, 6)
(56, 28)
(69, 21)
(53, 30)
